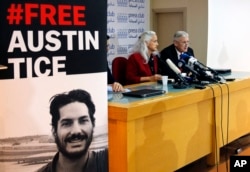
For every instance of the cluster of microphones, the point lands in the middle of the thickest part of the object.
(198, 72)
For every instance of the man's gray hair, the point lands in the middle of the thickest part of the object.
(179, 34)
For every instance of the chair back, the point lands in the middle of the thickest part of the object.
(119, 65)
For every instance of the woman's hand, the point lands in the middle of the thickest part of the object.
(117, 87)
(155, 77)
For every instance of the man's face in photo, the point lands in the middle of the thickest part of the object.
(75, 130)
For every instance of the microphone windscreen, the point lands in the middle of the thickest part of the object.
(192, 60)
(184, 56)
(173, 67)
(181, 63)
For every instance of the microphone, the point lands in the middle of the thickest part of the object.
(193, 62)
(203, 71)
(182, 64)
(184, 57)
(177, 71)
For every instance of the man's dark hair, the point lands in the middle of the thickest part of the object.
(108, 37)
(60, 100)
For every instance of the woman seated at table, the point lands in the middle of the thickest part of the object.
(143, 64)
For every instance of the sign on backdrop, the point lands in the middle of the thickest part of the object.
(126, 20)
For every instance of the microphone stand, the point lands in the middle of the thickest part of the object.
(216, 77)
(194, 74)
(180, 84)
(200, 70)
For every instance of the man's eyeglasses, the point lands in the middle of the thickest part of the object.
(184, 42)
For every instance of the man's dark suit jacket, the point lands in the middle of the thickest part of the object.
(111, 79)
(170, 53)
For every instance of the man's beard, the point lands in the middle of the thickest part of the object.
(78, 154)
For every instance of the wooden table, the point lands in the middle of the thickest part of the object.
(164, 133)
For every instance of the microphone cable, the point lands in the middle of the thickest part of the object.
(218, 82)
(227, 124)
(227, 117)
(215, 131)
(221, 123)
(222, 80)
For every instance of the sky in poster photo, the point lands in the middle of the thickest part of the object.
(26, 102)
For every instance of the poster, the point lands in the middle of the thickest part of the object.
(47, 48)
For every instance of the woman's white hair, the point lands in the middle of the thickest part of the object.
(141, 44)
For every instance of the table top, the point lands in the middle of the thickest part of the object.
(170, 90)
